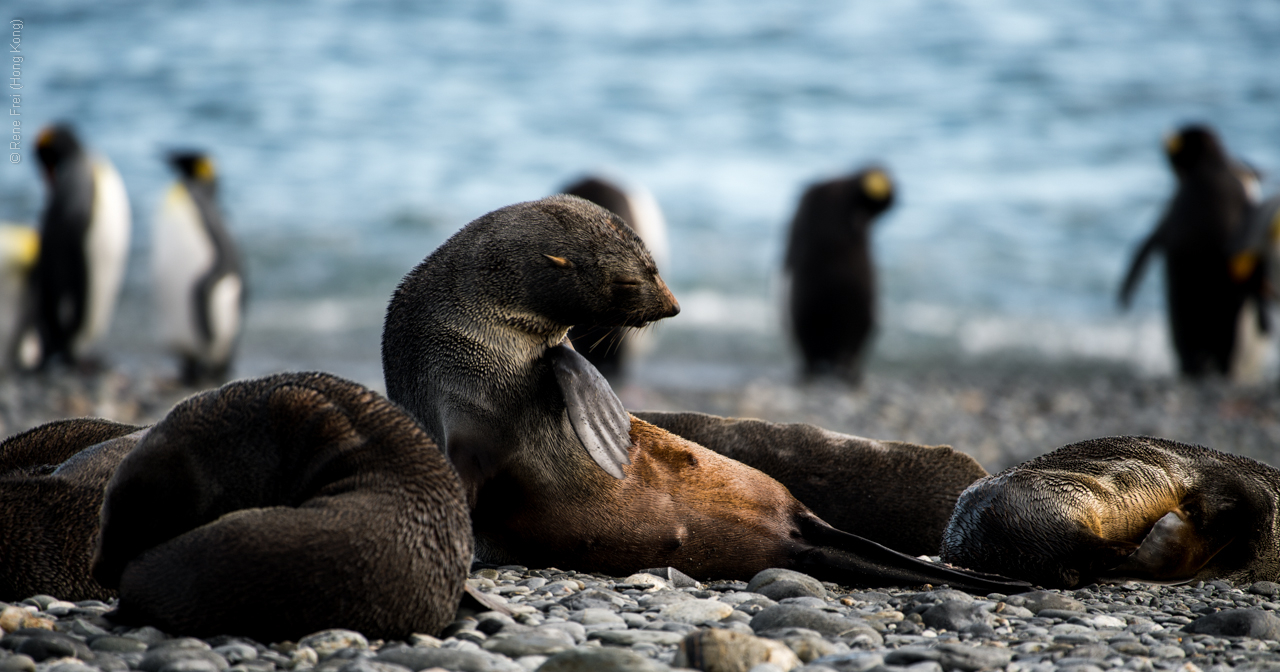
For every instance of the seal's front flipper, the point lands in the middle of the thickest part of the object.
(850, 560)
(1172, 552)
(597, 415)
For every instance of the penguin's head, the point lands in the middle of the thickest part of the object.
(875, 189)
(55, 144)
(194, 165)
(1194, 146)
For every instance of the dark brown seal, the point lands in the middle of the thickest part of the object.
(280, 506)
(557, 472)
(832, 298)
(894, 493)
(51, 483)
(1122, 508)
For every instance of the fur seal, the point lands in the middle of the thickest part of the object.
(1199, 226)
(558, 474)
(1122, 508)
(198, 279)
(84, 242)
(607, 348)
(832, 295)
(310, 497)
(51, 483)
(894, 493)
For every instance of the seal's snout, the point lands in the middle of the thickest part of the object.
(670, 308)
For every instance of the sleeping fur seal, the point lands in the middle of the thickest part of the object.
(556, 471)
(51, 484)
(310, 497)
(1122, 508)
(894, 493)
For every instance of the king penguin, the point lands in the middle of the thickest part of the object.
(608, 348)
(1215, 305)
(199, 284)
(832, 294)
(84, 244)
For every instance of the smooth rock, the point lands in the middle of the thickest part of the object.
(604, 659)
(633, 637)
(593, 599)
(1038, 600)
(190, 665)
(956, 615)
(575, 630)
(788, 616)
(779, 584)
(1237, 623)
(696, 611)
(853, 661)
(156, 659)
(43, 644)
(367, 665)
(675, 577)
(326, 642)
(236, 652)
(418, 658)
(964, 657)
(529, 644)
(729, 651)
(17, 663)
(1268, 588)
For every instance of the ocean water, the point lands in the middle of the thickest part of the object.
(1024, 142)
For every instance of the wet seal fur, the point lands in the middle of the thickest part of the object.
(894, 493)
(474, 346)
(310, 497)
(1122, 508)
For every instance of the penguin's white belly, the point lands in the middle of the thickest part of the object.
(181, 254)
(224, 317)
(106, 251)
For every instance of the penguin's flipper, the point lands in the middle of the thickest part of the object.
(597, 415)
(1136, 266)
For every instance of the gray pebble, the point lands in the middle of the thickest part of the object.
(634, 637)
(601, 660)
(788, 616)
(779, 584)
(113, 644)
(1237, 623)
(955, 615)
(157, 659)
(416, 658)
(529, 644)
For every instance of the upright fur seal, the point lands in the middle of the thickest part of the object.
(891, 492)
(309, 497)
(556, 471)
(1196, 234)
(832, 298)
(608, 348)
(1122, 508)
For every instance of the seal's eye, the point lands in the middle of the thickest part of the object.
(560, 262)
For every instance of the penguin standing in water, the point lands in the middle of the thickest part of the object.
(84, 243)
(608, 347)
(199, 284)
(832, 281)
(1207, 294)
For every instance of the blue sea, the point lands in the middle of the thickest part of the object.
(1024, 140)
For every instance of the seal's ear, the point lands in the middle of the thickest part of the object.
(597, 415)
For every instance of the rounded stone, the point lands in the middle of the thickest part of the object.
(696, 611)
(955, 615)
(327, 642)
(779, 584)
(17, 663)
(790, 616)
(528, 644)
(729, 651)
(157, 659)
(605, 659)
(1237, 623)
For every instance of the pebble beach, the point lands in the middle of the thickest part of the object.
(555, 619)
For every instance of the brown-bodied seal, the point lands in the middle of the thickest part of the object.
(1196, 234)
(309, 497)
(607, 348)
(556, 471)
(51, 484)
(1122, 508)
(891, 492)
(832, 296)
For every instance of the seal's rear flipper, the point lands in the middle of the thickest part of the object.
(602, 424)
(850, 560)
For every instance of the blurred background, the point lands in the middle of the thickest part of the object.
(1025, 144)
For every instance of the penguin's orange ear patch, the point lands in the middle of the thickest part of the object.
(560, 262)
